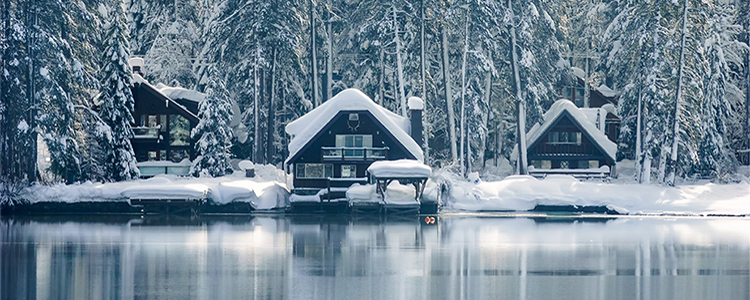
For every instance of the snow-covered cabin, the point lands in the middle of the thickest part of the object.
(570, 138)
(164, 117)
(333, 145)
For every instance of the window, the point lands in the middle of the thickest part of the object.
(162, 154)
(178, 155)
(163, 123)
(179, 131)
(319, 171)
(151, 155)
(354, 141)
(348, 171)
(593, 164)
(152, 121)
(353, 117)
(579, 96)
(566, 93)
(564, 137)
(564, 164)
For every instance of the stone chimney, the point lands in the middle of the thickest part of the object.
(137, 64)
(416, 106)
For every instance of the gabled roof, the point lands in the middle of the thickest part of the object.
(304, 129)
(140, 81)
(577, 116)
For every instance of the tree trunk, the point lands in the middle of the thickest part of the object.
(30, 164)
(449, 94)
(329, 61)
(463, 95)
(522, 164)
(314, 53)
(486, 115)
(271, 113)
(256, 84)
(426, 146)
(4, 101)
(638, 146)
(381, 88)
(676, 130)
(399, 67)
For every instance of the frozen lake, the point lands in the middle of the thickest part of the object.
(310, 257)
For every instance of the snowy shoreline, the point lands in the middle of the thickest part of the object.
(514, 194)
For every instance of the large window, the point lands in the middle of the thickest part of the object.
(354, 141)
(179, 131)
(348, 171)
(564, 137)
(318, 171)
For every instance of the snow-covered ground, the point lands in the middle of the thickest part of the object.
(522, 193)
(266, 190)
(513, 193)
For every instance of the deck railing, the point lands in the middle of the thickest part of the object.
(354, 153)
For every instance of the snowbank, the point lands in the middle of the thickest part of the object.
(265, 191)
(400, 194)
(522, 193)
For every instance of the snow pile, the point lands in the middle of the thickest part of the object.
(400, 194)
(606, 91)
(416, 103)
(362, 193)
(265, 191)
(402, 168)
(522, 193)
(307, 126)
(180, 93)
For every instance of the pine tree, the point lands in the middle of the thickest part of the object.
(212, 133)
(117, 100)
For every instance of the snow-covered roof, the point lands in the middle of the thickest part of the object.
(606, 91)
(307, 126)
(137, 79)
(180, 93)
(596, 116)
(578, 115)
(402, 168)
(136, 62)
(579, 72)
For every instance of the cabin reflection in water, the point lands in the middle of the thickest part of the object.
(346, 258)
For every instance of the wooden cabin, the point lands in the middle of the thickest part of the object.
(571, 141)
(333, 145)
(161, 140)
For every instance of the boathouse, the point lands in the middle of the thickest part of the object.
(571, 141)
(333, 145)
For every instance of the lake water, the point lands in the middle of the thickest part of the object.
(310, 257)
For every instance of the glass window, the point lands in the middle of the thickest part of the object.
(354, 141)
(151, 155)
(564, 164)
(314, 170)
(162, 154)
(353, 117)
(348, 171)
(546, 164)
(178, 155)
(163, 122)
(179, 131)
(593, 164)
(566, 93)
(152, 121)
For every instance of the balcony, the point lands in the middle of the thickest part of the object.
(353, 153)
(146, 132)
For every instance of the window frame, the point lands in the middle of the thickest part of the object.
(302, 167)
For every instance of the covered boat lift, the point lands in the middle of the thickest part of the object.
(398, 175)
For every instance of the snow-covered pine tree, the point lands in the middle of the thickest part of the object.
(116, 99)
(637, 43)
(722, 99)
(212, 134)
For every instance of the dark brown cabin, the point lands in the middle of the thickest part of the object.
(162, 125)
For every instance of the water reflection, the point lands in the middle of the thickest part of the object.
(460, 257)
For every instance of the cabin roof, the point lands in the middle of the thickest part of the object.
(304, 129)
(139, 81)
(577, 116)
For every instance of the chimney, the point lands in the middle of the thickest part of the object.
(137, 64)
(416, 106)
